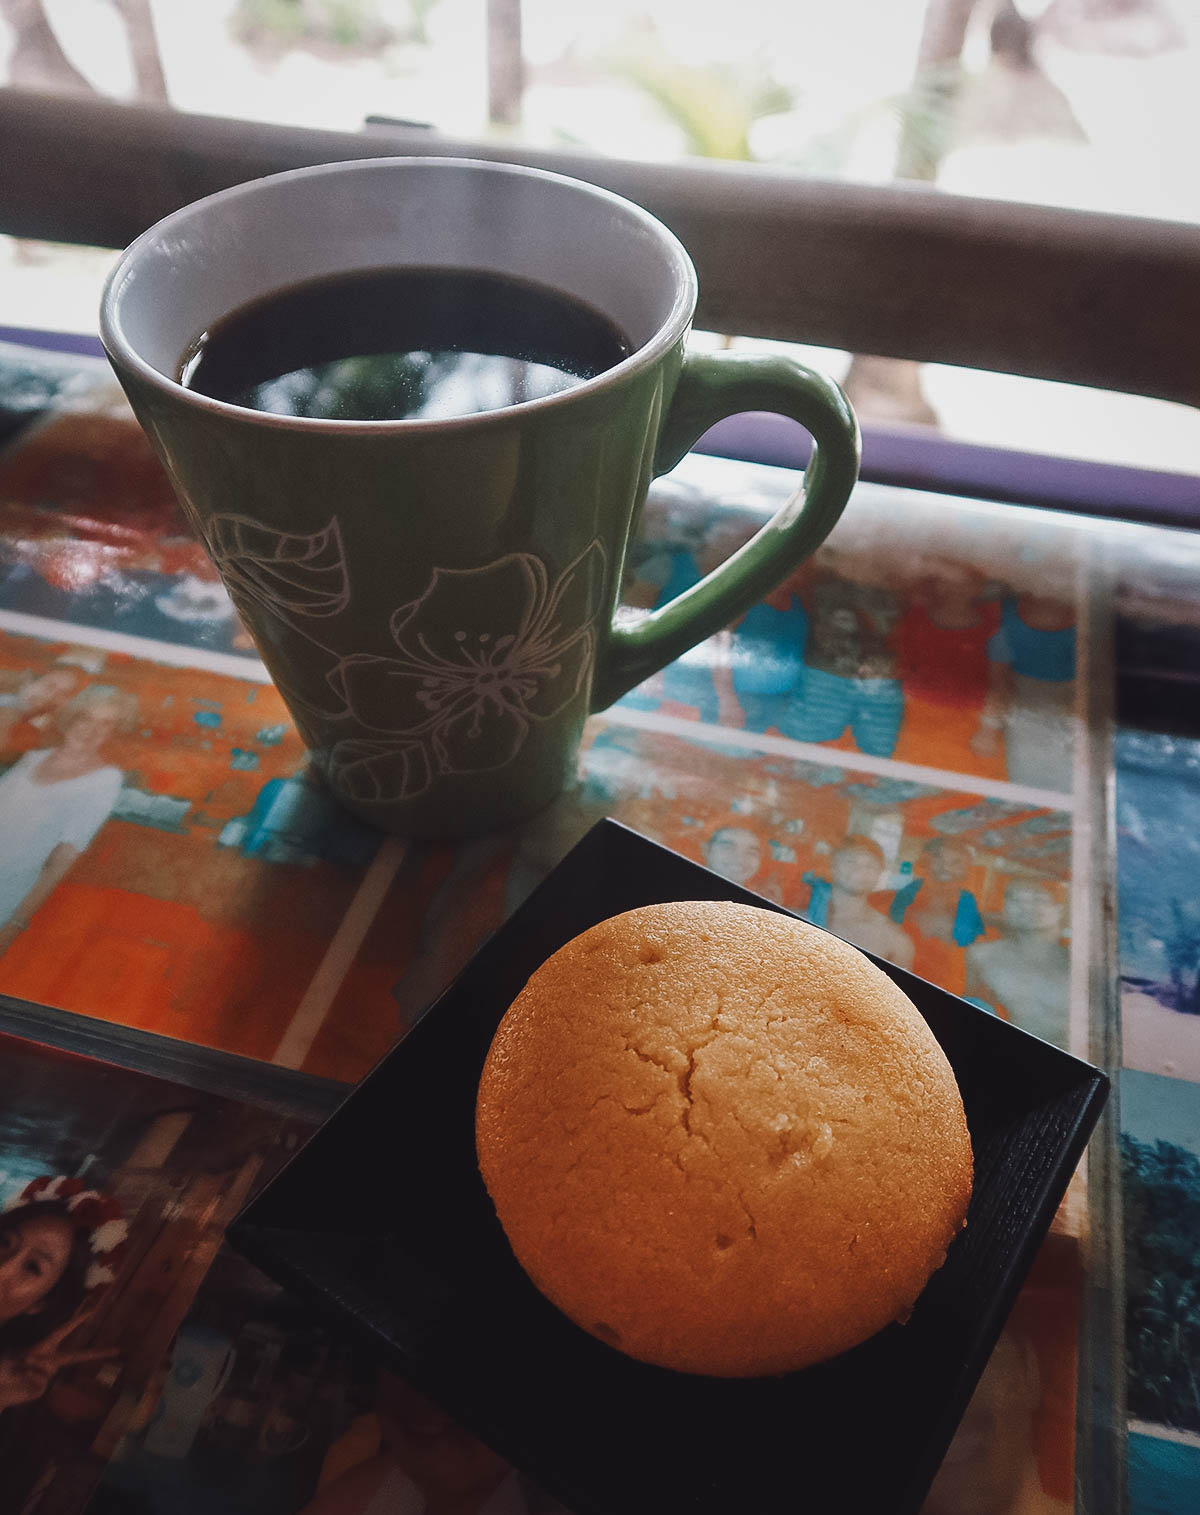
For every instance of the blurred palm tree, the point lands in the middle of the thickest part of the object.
(714, 105)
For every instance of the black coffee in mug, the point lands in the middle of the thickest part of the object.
(390, 344)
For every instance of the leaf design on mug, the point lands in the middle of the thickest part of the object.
(290, 573)
(362, 768)
(483, 653)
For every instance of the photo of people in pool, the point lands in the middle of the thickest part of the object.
(968, 891)
(957, 654)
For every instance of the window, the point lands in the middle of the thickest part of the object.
(1086, 104)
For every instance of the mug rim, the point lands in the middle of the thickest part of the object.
(123, 354)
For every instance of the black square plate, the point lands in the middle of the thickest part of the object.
(383, 1220)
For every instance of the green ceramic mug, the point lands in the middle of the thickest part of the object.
(435, 599)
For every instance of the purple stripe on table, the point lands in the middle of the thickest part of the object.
(917, 460)
(53, 341)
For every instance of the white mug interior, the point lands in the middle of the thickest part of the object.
(209, 259)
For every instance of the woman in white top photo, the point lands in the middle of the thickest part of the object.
(53, 801)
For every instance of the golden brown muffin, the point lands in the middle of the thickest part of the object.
(721, 1140)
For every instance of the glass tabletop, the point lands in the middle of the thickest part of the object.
(966, 736)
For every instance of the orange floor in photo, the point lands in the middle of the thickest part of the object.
(160, 966)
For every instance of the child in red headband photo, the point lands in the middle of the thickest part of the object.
(60, 1244)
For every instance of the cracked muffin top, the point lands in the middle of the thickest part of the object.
(721, 1140)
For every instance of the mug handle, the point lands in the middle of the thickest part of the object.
(712, 386)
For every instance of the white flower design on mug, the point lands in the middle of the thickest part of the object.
(290, 573)
(483, 654)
